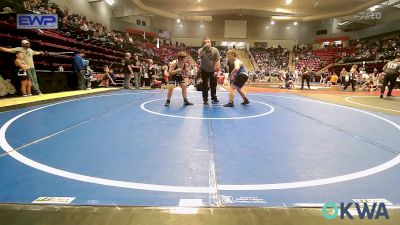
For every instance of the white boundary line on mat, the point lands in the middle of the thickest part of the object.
(186, 189)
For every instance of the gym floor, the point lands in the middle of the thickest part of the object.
(286, 149)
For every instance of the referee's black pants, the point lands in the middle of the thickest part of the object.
(209, 77)
(389, 78)
(307, 78)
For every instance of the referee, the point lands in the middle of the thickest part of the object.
(210, 67)
(392, 71)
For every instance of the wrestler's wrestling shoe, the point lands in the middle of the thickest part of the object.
(229, 104)
(245, 102)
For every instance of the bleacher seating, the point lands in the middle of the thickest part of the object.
(319, 58)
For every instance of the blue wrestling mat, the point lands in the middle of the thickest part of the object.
(126, 148)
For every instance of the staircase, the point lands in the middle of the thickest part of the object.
(244, 57)
(326, 67)
(252, 59)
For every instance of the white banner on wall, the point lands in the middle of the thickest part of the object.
(164, 34)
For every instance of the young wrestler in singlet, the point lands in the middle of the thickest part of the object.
(238, 77)
(177, 71)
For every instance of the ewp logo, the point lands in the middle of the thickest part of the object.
(37, 21)
(377, 209)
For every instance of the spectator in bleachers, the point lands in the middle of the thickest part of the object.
(270, 60)
(371, 50)
(28, 5)
(28, 57)
(7, 10)
(80, 69)
(22, 74)
(78, 27)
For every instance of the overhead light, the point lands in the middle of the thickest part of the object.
(272, 22)
(198, 0)
(316, 4)
(283, 10)
(295, 23)
(288, 2)
(110, 2)
(284, 18)
(344, 23)
(178, 20)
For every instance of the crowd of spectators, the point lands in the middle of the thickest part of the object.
(270, 61)
(84, 30)
(357, 52)
(306, 57)
(372, 50)
(81, 27)
(271, 57)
